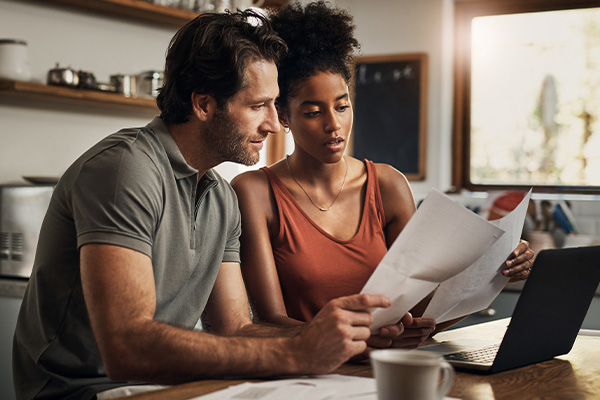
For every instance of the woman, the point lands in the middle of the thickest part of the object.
(317, 223)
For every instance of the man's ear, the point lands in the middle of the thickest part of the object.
(203, 105)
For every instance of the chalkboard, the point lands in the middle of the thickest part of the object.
(390, 112)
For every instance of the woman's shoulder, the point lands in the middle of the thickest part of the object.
(250, 182)
(388, 175)
(254, 192)
(393, 184)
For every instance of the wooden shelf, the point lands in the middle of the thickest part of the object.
(73, 96)
(144, 10)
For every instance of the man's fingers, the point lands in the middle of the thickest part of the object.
(360, 302)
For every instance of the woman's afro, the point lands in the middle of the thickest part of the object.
(320, 38)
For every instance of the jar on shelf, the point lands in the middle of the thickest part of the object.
(14, 60)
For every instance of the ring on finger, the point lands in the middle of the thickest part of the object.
(531, 263)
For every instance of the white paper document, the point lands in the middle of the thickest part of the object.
(330, 387)
(476, 287)
(321, 387)
(440, 240)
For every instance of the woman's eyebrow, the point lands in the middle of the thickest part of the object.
(316, 103)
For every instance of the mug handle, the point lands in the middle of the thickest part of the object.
(447, 373)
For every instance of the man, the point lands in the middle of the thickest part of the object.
(142, 236)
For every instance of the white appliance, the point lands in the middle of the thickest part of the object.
(22, 210)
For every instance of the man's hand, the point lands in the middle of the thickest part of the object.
(337, 333)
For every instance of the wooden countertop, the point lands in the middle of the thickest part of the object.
(572, 376)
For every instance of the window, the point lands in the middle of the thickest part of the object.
(527, 95)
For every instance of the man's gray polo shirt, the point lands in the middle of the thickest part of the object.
(132, 189)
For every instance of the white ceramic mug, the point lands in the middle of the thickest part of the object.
(411, 374)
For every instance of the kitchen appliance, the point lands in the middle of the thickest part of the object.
(14, 60)
(22, 210)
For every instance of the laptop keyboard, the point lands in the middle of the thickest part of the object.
(483, 355)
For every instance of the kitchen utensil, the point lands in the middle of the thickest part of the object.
(14, 60)
(148, 83)
(124, 84)
(87, 80)
(63, 76)
(106, 87)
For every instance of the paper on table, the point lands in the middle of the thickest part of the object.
(328, 387)
(321, 387)
(440, 240)
(476, 287)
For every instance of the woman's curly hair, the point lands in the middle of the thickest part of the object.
(320, 38)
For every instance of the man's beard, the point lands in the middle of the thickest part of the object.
(228, 141)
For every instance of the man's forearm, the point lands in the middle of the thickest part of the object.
(266, 330)
(162, 353)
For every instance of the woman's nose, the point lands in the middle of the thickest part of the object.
(333, 123)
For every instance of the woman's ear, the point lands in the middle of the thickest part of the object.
(203, 105)
(283, 119)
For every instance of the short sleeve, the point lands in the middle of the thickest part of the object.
(117, 198)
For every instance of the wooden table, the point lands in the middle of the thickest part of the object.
(573, 376)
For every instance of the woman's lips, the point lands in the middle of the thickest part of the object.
(335, 143)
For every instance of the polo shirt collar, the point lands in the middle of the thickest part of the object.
(181, 168)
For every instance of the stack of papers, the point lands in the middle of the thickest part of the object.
(444, 244)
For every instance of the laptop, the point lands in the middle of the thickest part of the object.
(546, 319)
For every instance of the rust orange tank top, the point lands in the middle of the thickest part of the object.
(313, 266)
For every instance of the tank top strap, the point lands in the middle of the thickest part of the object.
(285, 202)
(276, 185)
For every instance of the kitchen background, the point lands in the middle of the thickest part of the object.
(41, 138)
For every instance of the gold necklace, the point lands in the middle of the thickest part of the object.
(311, 200)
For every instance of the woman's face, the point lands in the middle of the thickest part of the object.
(320, 116)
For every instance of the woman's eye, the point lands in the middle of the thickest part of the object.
(343, 108)
(312, 113)
(258, 106)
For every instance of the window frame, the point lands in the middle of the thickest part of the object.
(464, 12)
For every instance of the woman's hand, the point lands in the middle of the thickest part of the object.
(388, 333)
(410, 332)
(414, 334)
(519, 263)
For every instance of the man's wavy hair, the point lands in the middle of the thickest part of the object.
(320, 38)
(209, 55)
